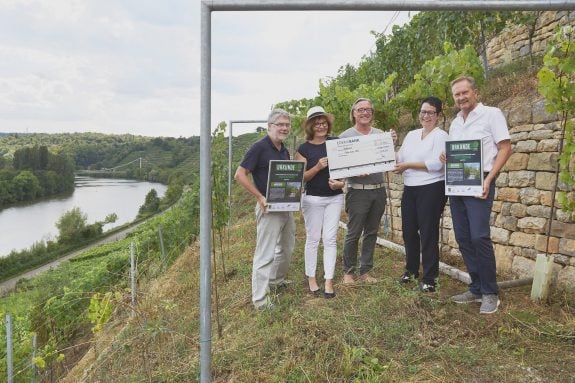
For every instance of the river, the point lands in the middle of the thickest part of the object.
(22, 226)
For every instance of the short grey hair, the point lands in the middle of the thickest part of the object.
(351, 117)
(276, 114)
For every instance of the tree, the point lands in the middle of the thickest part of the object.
(71, 225)
(557, 85)
(26, 186)
(151, 204)
(175, 189)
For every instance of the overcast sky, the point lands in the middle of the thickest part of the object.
(133, 66)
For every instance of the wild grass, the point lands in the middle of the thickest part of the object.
(382, 332)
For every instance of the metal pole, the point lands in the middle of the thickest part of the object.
(388, 5)
(207, 6)
(133, 274)
(164, 260)
(34, 349)
(205, 197)
(230, 164)
(9, 349)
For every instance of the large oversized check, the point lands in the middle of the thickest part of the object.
(354, 156)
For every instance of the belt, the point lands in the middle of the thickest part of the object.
(365, 186)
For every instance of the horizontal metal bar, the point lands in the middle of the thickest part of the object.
(247, 121)
(389, 5)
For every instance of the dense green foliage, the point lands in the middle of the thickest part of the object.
(38, 254)
(434, 78)
(151, 204)
(35, 173)
(423, 37)
(441, 46)
(557, 85)
(73, 227)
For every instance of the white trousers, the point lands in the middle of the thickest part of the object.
(321, 215)
(274, 246)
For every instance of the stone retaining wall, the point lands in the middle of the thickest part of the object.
(514, 43)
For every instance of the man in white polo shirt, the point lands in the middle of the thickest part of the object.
(471, 215)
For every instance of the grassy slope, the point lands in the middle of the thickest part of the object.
(369, 333)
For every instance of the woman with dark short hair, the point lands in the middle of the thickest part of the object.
(423, 197)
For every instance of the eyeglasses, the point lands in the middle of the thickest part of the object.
(321, 124)
(364, 110)
(282, 124)
(427, 113)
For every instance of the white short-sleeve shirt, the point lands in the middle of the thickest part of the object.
(428, 150)
(485, 123)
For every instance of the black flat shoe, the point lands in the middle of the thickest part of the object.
(327, 295)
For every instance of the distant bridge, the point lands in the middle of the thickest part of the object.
(138, 160)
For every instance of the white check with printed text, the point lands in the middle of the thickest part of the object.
(360, 155)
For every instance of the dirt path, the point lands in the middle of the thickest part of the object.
(9, 284)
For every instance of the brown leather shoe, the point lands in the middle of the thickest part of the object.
(348, 279)
(367, 278)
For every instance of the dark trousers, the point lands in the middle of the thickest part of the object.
(471, 218)
(364, 209)
(421, 208)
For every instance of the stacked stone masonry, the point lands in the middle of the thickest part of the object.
(514, 43)
(525, 185)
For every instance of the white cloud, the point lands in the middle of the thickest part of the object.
(132, 66)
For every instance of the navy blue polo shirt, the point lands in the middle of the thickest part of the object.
(257, 161)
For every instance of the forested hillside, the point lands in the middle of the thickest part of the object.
(35, 173)
(161, 156)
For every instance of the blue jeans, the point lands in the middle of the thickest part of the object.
(364, 209)
(471, 218)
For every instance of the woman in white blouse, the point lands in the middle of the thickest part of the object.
(423, 197)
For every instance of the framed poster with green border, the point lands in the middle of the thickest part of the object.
(464, 168)
(285, 181)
